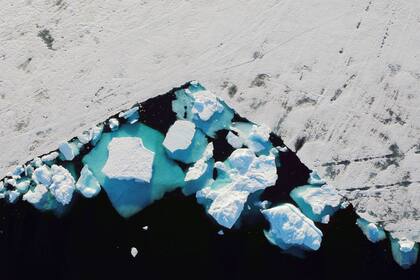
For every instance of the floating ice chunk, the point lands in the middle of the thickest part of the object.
(315, 179)
(96, 134)
(405, 252)
(371, 231)
(344, 204)
(179, 136)
(243, 173)
(129, 160)
(221, 232)
(199, 168)
(145, 228)
(42, 175)
(255, 137)
(36, 162)
(113, 124)
(325, 219)
(29, 170)
(2, 188)
(18, 171)
(34, 196)
(13, 195)
(12, 182)
(134, 252)
(290, 228)
(316, 202)
(68, 150)
(85, 137)
(50, 157)
(132, 115)
(282, 149)
(206, 104)
(87, 184)
(234, 140)
(263, 204)
(62, 185)
(23, 186)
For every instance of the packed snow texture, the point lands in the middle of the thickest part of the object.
(129, 160)
(345, 94)
(289, 228)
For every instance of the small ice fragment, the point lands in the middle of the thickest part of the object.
(36, 162)
(289, 228)
(113, 124)
(96, 134)
(344, 204)
(11, 182)
(248, 207)
(13, 195)
(325, 219)
(132, 115)
(129, 160)
(2, 186)
(134, 252)
(18, 170)
(87, 184)
(42, 175)
(62, 184)
(29, 170)
(68, 150)
(200, 166)
(50, 157)
(206, 104)
(315, 179)
(145, 228)
(220, 232)
(179, 136)
(34, 196)
(371, 231)
(234, 140)
(85, 137)
(282, 149)
(23, 186)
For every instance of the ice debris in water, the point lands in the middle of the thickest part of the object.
(62, 184)
(234, 140)
(405, 252)
(113, 124)
(68, 150)
(373, 232)
(316, 202)
(255, 137)
(290, 228)
(129, 160)
(50, 157)
(34, 196)
(134, 252)
(315, 179)
(87, 184)
(132, 115)
(241, 174)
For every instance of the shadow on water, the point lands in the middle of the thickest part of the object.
(93, 242)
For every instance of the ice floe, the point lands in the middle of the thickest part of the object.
(129, 160)
(131, 115)
(68, 150)
(290, 228)
(405, 252)
(373, 232)
(87, 184)
(34, 196)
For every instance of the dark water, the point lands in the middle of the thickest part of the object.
(93, 242)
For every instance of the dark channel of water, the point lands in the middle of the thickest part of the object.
(93, 242)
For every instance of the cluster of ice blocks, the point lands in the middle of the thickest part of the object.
(136, 165)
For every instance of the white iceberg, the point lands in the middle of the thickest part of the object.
(34, 196)
(134, 252)
(113, 124)
(132, 115)
(255, 137)
(234, 140)
(50, 157)
(129, 159)
(69, 150)
(96, 134)
(179, 136)
(290, 228)
(206, 104)
(62, 185)
(13, 195)
(245, 173)
(42, 175)
(317, 202)
(200, 167)
(87, 184)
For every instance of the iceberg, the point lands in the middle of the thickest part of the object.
(184, 142)
(373, 232)
(315, 179)
(131, 115)
(34, 196)
(255, 137)
(290, 228)
(68, 150)
(405, 252)
(113, 124)
(87, 184)
(62, 184)
(200, 173)
(241, 174)
(234, 140)
(129, 160)
(317, 202)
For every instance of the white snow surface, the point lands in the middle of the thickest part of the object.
(179, 136)
(291, 227)
(128, 159)
(343, 75)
